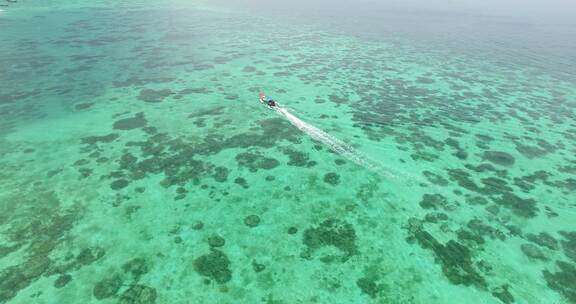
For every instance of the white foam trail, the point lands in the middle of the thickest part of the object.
(341, 147)
(333, 143)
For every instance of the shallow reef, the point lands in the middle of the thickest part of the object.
(39, 225)
(252, 220)
(108, 287)
(499, 158)
(214, 265)
(255, 161)
(332, 233)
(455, 259)
(563, 281)
(138, 294)
(154, 96)
(369, 287)
(138, 121)
(569, 244)
(332, 178)
(139, 166)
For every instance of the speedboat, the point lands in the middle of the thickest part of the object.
(268, 101)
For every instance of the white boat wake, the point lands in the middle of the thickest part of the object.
(333, 143)
(342, 148)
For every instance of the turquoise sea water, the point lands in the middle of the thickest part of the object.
(418, 157)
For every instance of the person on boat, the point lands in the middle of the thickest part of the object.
(267, 100)
(270, 102)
